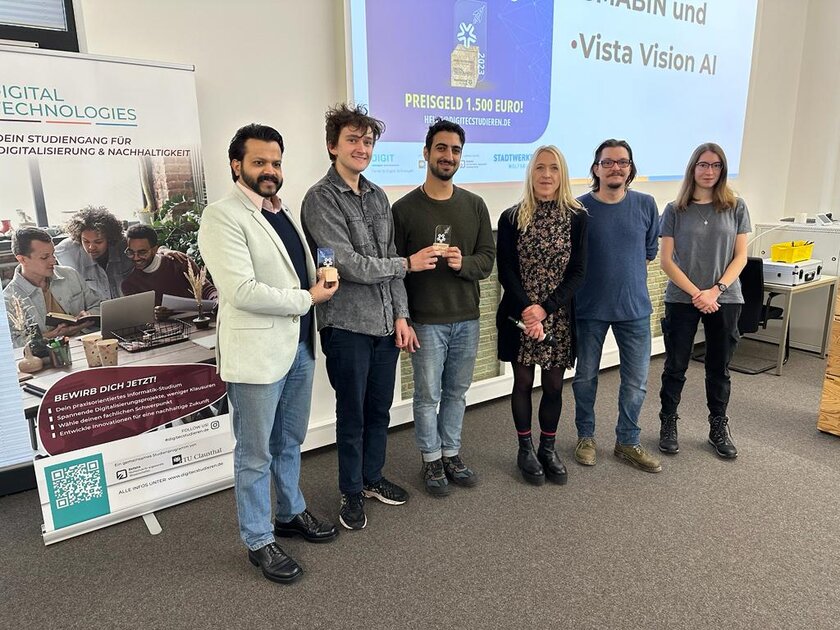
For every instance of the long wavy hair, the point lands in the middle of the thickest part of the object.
(723, 197)
(565, 200)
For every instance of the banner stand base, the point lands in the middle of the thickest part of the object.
(152, 523)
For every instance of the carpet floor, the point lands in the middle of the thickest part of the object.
(706, 543)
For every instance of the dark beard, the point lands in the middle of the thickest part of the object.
(255, 184)
(444, 177)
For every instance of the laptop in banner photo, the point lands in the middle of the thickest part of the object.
(127, 312)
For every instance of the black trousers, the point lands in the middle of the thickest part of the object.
(362, 370)
(679, 327)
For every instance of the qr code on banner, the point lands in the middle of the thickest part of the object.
(77, 484)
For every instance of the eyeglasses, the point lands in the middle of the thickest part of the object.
(607, 163)
(705, 166)
(142, 253)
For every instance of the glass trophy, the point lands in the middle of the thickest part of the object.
(443, 234)
(326, 263)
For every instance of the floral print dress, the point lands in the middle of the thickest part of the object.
(544, 250)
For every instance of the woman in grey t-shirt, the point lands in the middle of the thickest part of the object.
(704, 248)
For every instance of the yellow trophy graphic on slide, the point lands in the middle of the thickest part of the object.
(467, 62)
(464, 67)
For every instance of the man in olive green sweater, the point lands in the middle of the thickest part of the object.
(442, 284)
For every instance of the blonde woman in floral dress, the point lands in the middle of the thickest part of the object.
(541, 257)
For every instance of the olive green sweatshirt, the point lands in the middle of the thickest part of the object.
(442, 295)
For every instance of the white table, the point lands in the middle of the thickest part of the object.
(825, 282)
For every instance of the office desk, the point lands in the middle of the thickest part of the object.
(825, 282)
(182, 352)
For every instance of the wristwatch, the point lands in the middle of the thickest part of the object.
(721, 287)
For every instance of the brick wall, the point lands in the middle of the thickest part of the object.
(172, 177)
(656, 287)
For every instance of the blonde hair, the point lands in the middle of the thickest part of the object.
(565, 200)
(723, 197)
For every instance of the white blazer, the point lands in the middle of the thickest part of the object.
(260, 298)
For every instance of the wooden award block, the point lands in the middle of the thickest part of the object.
(330, 274)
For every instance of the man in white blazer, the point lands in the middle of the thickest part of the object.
(265, 345)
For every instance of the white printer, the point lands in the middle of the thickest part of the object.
(792, 274)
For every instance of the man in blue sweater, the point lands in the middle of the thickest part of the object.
(623, 239)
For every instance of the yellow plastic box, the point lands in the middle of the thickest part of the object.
(791, 251)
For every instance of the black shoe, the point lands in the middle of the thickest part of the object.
(668, 434)
(306, 525)
(721, 438)
(275, 564)
(553, 467)
(386, 492)
(352, 512)
(529, 465)
(458, 473)
(434, 479)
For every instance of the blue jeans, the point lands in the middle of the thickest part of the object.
(443, 370)
(270, 422)
(633, 339)
(362, 370)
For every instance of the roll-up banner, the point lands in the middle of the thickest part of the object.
(115, 442)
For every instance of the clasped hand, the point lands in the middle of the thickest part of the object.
(535, 332)
(705, 301)
(533, 315)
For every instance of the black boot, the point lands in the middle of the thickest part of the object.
(554, 468)
(721, 438)
(529, 465)
(668, 433)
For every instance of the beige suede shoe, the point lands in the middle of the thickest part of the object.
(585, 451)
(638, 456)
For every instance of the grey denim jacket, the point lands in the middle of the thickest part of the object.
(360, 230)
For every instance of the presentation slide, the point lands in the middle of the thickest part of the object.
(665, 75)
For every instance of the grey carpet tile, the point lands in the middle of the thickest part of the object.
(707, 543)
